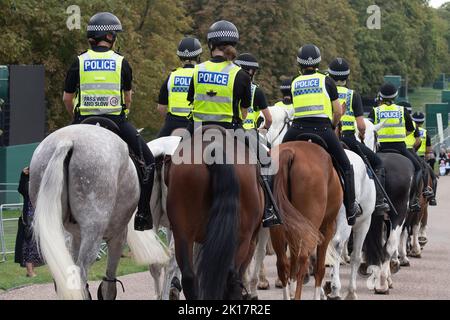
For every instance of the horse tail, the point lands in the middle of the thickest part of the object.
(375, 250)
(216, 255)
(301, 234)
(48, 225)
(146, 246)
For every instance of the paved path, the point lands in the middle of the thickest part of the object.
(427, 278)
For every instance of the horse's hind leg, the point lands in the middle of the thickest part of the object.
(260, 253)
(108, 288)
(184, 255)
(320, 263)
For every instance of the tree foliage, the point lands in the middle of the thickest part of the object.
(413, 41)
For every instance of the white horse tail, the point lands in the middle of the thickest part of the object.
(49, 229)
(332, 257)
(146, 247)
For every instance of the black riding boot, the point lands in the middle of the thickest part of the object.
(427, 190)
(381, 205)
(352, 208)
(143, 219)
(432, 200)
(415, 204)
(271, 213)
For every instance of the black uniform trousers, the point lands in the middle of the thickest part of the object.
(348, 137)
(172, 123)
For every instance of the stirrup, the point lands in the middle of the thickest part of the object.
(272, 220)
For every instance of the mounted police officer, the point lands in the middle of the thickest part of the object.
(424, 151)
(259, 102)
(339, 71)
(398, 125)
(99, 84)
(285, 88)
(172, 101)
(220, 92)
(317, 110)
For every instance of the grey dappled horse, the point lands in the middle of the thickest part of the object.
(85, 189)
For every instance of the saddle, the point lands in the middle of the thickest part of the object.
(110, 125)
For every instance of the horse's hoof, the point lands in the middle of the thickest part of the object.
(395, 266)
(351, 296)
(263, 285)
(362, 270)
(333, 297)
(278, 284)
(306, 279)
(415, 255)
(327, 289)
(174, 294)
(246, 296)
(405, 263)
(380, 291)
(254, 298)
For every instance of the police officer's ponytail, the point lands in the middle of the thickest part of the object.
(229, 51)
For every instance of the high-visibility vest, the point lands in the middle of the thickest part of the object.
(410, 140)
(282, 105)
(394, 129)
(348, 119)
(213, 86)
(178, 87)
(252, 114)
(423, 147)
(310, 96)
(100, 83)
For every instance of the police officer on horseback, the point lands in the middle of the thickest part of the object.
(172, 101)
(285, 88)
(398, 125)
(259, 102)
(220, 93)
(99, 84)
(317, 111)
(339, 71)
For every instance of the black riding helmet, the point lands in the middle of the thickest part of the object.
(189, 48)
(221, 33)
(309, 56)
(418, 117)
(247, 62)
(285, 87)
(101, 24)
(388, 91)
(339, 69)
(406, 105)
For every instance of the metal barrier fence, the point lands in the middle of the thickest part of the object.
(8, 229)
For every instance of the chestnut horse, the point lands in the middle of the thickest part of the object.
(216, 206)
(309, 193)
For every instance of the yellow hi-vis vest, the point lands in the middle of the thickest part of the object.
(310, 97)
(178, 87)
(213, 86)
(100, 83)
(285, 106)
(410, 140)
(394, 129)
(423, 147)
(252, 114)
(348, 119)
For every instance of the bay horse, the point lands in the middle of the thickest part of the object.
(309, 194)
(217, 207)
(85, 189)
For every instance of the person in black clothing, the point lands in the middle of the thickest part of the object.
(321, 117)
(172, 102)
(339, 71)
(285, 88)
(388, 93)
(102, 31)
(26, 250)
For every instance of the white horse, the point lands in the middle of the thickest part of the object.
(85, 189)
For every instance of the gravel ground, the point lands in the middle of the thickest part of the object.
(427, 278)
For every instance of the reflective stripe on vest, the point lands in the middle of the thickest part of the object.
(348, 119)
(213, 86)
(423, 147)
(394, 129)
(410, 140)
(100, 83)
(178, 87)
(310, 96)
(252, 115)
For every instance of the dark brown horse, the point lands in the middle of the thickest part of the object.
(309, 193)
(219, 208)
